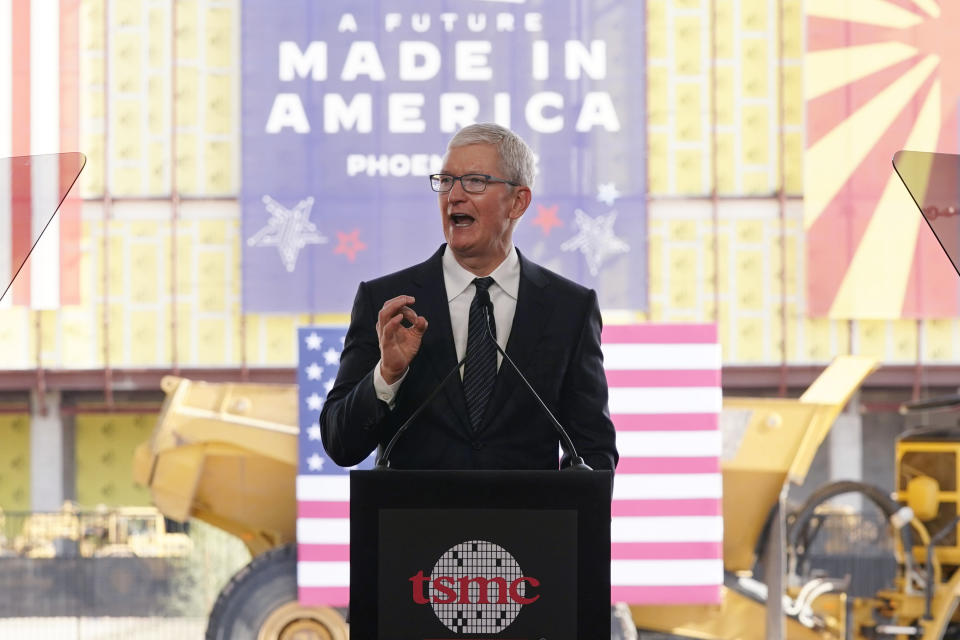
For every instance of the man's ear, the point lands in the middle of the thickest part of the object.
(521, 200)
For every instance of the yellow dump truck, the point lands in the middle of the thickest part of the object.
(227, 454)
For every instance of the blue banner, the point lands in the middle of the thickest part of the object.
(346, 111)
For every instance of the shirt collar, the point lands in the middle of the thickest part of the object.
(457, 279)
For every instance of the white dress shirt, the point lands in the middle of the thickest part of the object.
(460, 293)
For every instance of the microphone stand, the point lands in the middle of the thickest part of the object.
(383, 462)
(576, 462)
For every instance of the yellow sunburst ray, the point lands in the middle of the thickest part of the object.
(876, 282)
(826, 70)
(875, 12)
(832, 160)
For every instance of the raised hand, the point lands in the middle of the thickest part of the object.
(398, 344)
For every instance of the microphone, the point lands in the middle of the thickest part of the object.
(383, 462)
(576, 462)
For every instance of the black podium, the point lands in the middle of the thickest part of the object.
(444, 555)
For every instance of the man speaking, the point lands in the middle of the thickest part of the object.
(410, 329)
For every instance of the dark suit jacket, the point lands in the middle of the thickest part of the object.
(555, 341)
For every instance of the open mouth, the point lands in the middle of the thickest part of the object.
(461, 219)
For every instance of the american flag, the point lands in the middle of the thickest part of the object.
(665, 401)
(39, 113)
(667, 529)
(323, 488)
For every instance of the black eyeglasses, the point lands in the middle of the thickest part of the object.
(471, 182)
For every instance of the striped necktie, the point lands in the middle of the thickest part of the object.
(480, 369)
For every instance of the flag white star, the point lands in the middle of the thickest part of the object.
(607, 193)
(314, 401)
(328, 385)
(313, 342)
(331, 356)
(314, 371)
(596, 240)
(315, 462)
(313, 432)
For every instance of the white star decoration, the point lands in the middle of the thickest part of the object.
(331, 356)
(314, 401)
(328, 385)
(607, 193)
(313, 432)
(314, 371)
(313, 342)
(315, 462)
(289, 230)
(596, 240)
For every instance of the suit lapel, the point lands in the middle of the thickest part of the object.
(533, 309)
(431, 295)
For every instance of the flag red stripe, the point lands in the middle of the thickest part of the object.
(666, 550)
(685, 507)
(69, 141)
(666, 421)
(663, 378)
(330, 596)
(317, 509)
(660, 333)
(708, 464)
(21, 211)
(323, 552)
(709, 594)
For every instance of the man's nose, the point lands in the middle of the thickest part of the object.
(457, 193)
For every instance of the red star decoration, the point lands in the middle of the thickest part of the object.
(349, 244)
(547, 218)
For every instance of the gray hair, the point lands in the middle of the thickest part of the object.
(516, 157)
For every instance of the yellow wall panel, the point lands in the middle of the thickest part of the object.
(682, 230)
(15, 462)
(689, 170)
(723, 28)
(750, 280)
(211, 268)
(658, 109)
(280, 340)
(104, 458)
(726, 167)
(219, 156)
(91, 25)
(159, 36)
(939, 339)
(186, 162)
(211, 341)
(689, 112)
(218, 33)
(187, 92)
(756, 142)
(126, 13)
(749, 231)
(144, 330)
(657, 42)
(688, 52)
(754, 15)
(871, 338)
(683, 278)
(658, 172)
(80, 338)
(904, 347)
(187, 38)
(218, 119)
(793, 103)
(793, 152)
(724, 97)
(127, 70)
(749, 336)
(793, 42)
(143, 274)
(755, 63)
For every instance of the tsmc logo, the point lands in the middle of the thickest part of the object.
(475, 587)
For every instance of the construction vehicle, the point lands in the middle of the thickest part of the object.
(227, 454)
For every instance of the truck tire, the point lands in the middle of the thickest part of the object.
(260, 603)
